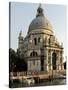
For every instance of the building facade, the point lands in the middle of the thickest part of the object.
(40, 48)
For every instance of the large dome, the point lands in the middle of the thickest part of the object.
(40, 22)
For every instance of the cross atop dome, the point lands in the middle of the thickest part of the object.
(39, 11)
(40, 5)
(20, 34)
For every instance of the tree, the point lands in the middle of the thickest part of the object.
(16, 63)
(12, 59)
(21, 63)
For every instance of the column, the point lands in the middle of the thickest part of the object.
(62, 66)
(59, 66)
(51, 60)
(46, 61)
(57, 61)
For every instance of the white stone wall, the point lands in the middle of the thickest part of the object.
(34, 65)
(29, 47)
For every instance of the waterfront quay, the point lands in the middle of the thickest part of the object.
(35, 78)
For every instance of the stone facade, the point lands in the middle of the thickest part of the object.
(40, 49)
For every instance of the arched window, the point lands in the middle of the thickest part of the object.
(33, 54)
(54, 60)
(36, 54)
(38, 39)
(35, 41)
(49, 40)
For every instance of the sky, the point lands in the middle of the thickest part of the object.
(23, 13)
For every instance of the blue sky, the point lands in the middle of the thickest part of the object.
(23, 13)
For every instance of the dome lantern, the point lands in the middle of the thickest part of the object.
(39, 11)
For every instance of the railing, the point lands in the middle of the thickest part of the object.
(54, 72)
(31, 74)
(36, 74)
(27, 73)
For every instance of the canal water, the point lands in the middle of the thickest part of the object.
(44, 83)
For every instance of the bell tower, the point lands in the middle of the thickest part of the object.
(20, 41)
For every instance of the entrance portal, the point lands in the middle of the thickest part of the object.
(54, 61)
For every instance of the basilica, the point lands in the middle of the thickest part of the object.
(40, 48)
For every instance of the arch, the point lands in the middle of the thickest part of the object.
(54, 60)
(39, 39)
(49, 41)
(33, 54)
(35, 41)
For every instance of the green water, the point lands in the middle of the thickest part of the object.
(43, 83)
